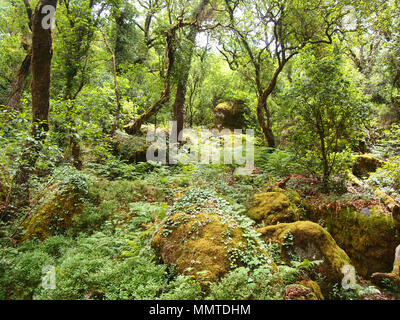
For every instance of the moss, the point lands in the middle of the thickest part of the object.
(369, 241)
(131, 148)
(229, 115)
(4, 184)
(54, 216)
(366, 164)
(310, 241)
(273, 208)
(198, 245)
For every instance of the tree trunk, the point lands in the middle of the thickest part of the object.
(185, 68)
(179, 104)
(182, 81)
(18, 84)
(42, 53)
(134, 127)
(115, 75)
(266, 127)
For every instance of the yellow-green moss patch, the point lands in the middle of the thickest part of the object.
(310, 241)
(55, 215)
(369, 241)
(200, 245)
(272, 208)
(229, 115)
(366, 164)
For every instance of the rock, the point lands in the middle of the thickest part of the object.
(392, 278)
(198, 245)
(308, 240)
(273, 208)
(229, 115)
(304, 290)
(55, 215)
(4, 183)
(369, 241)
(366, 164)
(131, 148)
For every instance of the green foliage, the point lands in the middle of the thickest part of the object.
(387, 178)
(244, 284)
(389, 144)
(328, 110)
(277, 162)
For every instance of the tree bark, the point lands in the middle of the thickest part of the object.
(18, 84)
(180, 97)
(42, 53)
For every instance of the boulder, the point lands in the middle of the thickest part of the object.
(130, 148)
(366, 164)
(369, 241)
(55, 214)
(272, 208)
(199, 244)
(229, 115)
(308, 240)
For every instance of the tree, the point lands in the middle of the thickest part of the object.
(277, 33)
(42, 53)
(328, 110)
(76, 31)
(18, 84)
(169, 36)
(185, 60)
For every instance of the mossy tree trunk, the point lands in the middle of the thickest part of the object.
(18, 83)
(42, 53)
(185, 65)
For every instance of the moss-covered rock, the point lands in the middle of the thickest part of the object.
(200, 245)
(304, 290)
(272, 208)
(55, 215)
(369, 241)
(229, 115)
(203, 236)
(131, 148)
(308, 240)
(366, 164)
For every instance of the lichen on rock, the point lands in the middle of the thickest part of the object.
(199, 245)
